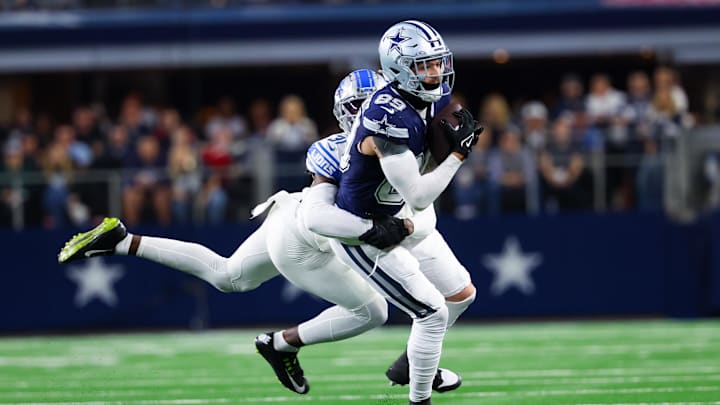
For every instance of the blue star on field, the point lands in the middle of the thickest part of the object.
(397, 39)
(95, 280)
(512, 268)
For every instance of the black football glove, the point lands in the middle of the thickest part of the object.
(387, 231)
(463, 138)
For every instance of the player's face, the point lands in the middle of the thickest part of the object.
(430, 71)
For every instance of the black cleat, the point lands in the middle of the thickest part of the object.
(399, 374)
(100, 241)
(446, 380)
(285, 364)
(423, 402)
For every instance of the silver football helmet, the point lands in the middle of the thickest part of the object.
(351, 92)
(405, 48)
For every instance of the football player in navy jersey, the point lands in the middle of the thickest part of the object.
(381, 175)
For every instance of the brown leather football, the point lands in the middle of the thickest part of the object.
(435, 137)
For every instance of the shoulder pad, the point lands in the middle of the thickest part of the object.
(323, 156)
(384, 120)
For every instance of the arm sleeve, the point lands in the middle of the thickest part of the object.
(419, 191)
(322, 217)
(424, 222)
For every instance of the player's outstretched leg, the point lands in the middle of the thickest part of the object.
(284, 363)
(399, 374)
(100, 241)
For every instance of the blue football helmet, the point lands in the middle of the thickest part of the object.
(405, 48)
(351, 92)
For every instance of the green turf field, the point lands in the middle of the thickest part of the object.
(648, 362)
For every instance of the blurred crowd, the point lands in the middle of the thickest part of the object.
(540, 158)
(165, 168)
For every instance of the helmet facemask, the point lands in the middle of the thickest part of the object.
(414, 82)
(345, 112)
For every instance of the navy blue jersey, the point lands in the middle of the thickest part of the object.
(364, 190)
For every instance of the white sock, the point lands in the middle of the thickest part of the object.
(280, 344)
(424, 349)
(455, 309)
(191, 258)
(123, 247)
(337, 323)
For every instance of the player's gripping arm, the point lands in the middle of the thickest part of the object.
(400, 168)
(322, 217)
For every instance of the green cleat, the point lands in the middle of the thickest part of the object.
(100, 241)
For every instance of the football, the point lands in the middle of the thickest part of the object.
(435, 137)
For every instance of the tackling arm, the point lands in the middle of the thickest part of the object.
(321, 216)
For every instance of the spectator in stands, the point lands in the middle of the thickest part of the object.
(606, 134)
(572, 99)
(666, 122)
(58, 168)
(85, 125)
(185, 177)
(170, 122)
(260, 113)
(80, 152)
(474, 193)
(665, 119)
(12, 198)
(133, 116)
(561, 168)
(218, 158)
(666, 78)
(534, 116)
(227, 117)
(635, 112)
(495, 115)
(604, 102)
(291, 134)
(145, 181)
(292, 130)
(512, 168)
(117, 150)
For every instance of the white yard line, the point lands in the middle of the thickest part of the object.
(343, 398)
(359, 380)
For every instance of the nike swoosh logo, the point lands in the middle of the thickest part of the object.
(90, 253)
(467, 143)
(389, 110)
(298, 388)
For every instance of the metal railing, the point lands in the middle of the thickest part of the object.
(266, 174)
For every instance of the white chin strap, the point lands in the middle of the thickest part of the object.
(431, 95)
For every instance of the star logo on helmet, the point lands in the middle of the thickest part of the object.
(396, 40)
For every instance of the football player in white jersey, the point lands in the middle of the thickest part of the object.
(381, 176)
(282, 245)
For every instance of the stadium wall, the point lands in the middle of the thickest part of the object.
(588, 266)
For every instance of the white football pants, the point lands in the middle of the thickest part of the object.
(278, 245)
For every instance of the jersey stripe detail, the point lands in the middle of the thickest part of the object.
(420, 26)
(385, 129)
(393, 295)
(328, 154)
(399, 297)
(364, 79)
